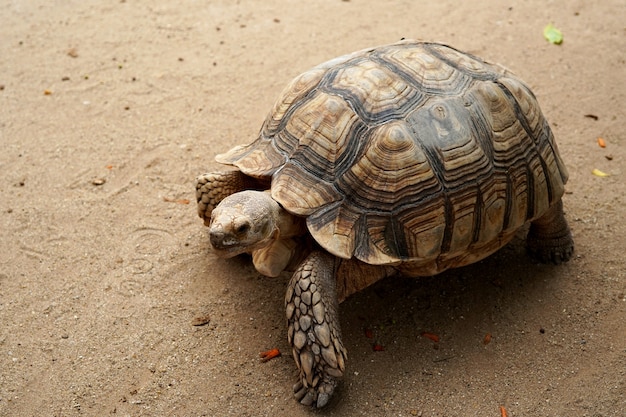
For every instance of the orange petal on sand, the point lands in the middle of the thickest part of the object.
(269, 354)
(431, 336)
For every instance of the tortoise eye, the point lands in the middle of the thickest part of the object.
(243, 228)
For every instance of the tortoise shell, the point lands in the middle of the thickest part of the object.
(411, 154)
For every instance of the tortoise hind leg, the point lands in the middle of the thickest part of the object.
(313, 329)
(549, 238)
(213, 187)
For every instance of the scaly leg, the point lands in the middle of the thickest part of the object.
(213, 187)
(549, 237)
(313, 329)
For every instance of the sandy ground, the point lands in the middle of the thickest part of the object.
(109, 109)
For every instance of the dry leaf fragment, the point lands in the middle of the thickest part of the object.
(431, 336)
(269, 354)
(201, 320)
(599, 173)
(601, 143)
(177, 201)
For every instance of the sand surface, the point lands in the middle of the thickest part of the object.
(108, 111)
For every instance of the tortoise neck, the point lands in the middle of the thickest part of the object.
(290, 225)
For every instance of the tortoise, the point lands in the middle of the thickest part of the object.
(409, 158)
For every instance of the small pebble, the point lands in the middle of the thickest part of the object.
(201, 320)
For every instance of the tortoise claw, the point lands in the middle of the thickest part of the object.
(318, 397)
(548, 253)
(303, 394)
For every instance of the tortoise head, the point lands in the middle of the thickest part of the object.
(243, 222)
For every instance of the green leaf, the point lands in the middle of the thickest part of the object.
(552, 34)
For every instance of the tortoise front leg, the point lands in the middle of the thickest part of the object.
(213, 187)
(549, 238)
(313, 329)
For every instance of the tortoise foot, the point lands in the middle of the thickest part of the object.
(549, 238)
(317, 397)
(556, 250)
